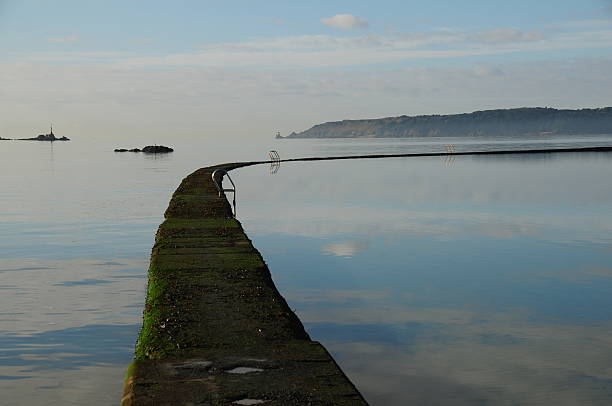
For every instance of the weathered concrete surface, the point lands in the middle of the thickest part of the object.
(216, 331)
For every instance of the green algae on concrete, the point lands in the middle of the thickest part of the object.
(215, 329)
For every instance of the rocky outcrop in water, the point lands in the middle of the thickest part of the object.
(156, 149)
(149, 149)
(45, 137)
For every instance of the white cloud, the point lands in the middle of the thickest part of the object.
(63, 39)
(311, 51)
(315, 51)
(214, 97)
(345, 22)
(507, 35)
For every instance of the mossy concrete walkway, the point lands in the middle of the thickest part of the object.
(216, 331)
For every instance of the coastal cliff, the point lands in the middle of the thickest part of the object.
(503, 122)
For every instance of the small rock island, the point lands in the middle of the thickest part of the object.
(149, 149)
(46, 137)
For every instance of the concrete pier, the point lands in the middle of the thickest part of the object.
(215, 330)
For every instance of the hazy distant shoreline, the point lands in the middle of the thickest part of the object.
(525, 121)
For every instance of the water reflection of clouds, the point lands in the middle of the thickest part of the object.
(386, 313)
(82, 282)
(582, 274)
(392, 379)
(459, 296)
(64, 333)
(65, 387)
(468, 376)
(502, 357)
(54, 294)
(25, 268)
(335, 296)
(315, 222)
(70, 348)
(417, 181)
(344, 249)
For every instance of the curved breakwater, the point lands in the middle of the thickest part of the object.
(215, 329)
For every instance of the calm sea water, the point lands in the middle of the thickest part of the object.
(432, 281)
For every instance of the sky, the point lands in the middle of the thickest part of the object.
(246, 69)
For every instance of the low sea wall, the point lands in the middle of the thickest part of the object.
(215, 329)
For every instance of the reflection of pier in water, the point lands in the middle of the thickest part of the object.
(450, 158)
(217, 177)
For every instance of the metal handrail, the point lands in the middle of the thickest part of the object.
(274, 156)
(222, 173)
(274, 161)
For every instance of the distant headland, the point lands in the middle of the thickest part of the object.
(503, 122)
